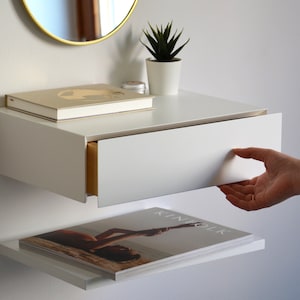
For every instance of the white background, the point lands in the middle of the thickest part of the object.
(244, 50)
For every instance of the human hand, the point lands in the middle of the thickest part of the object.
(280, 181)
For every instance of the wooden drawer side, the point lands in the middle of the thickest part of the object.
(92, 169)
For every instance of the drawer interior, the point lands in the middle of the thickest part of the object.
(92, 169)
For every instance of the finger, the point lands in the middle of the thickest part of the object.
(256, 153)
(235, 194)
(243, 183)
(226, 189)
(247, 202)
(245, 187)
(242, 188)
(242, 204)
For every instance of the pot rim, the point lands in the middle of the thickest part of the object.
(176, 59)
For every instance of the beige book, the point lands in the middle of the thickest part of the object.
(77, 101)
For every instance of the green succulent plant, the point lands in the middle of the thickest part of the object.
(162, 43)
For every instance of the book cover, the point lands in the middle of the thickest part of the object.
(129, 244)
(78, 101)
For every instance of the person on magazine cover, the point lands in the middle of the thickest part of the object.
(103, 244)
(280, 181)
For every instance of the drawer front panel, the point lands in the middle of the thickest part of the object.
(166, 162)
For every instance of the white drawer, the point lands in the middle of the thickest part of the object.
(152, 164)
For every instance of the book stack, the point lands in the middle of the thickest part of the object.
(78, 101)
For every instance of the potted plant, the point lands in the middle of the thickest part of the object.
(163, 70)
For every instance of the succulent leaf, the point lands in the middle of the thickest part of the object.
(161, 43)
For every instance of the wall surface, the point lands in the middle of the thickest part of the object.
(241, 50)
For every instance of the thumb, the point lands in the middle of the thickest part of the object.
(252, 152)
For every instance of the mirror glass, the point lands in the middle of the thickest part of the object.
(79, 22)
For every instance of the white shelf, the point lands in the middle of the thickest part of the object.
(184, 109)
(88, 279)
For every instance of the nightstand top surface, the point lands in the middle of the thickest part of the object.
(184, 109)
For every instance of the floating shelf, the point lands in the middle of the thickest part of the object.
(88, 279)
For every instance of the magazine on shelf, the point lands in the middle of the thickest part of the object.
(133, 243)
(78, 101)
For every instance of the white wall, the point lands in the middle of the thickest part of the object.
(241, 50)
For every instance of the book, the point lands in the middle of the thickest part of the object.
(78, 101)
(135, 243)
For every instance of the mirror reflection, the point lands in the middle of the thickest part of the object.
(79, 21)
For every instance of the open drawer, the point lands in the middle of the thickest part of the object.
(141, 166)
(183, 143)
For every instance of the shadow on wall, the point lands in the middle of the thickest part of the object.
(127, 65)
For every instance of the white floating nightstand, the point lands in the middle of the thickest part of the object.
(184, 143)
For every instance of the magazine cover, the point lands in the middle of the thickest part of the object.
(128, 244)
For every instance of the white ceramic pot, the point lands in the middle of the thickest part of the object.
(163, 77)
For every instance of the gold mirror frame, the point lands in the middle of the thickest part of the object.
(73, 42)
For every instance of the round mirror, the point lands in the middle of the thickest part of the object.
(79, 22)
